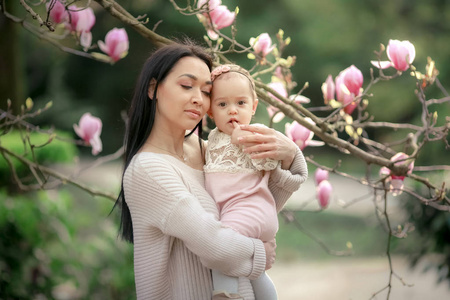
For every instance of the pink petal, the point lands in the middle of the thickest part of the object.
(381, 64)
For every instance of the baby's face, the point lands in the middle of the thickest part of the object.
(232, 100)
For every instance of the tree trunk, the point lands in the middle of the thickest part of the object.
(12, 73)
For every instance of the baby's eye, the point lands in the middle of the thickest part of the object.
(222, 104)
(242, 102)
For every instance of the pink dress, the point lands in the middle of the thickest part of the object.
(239, 185)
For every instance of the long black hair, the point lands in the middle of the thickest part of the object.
(141, 114)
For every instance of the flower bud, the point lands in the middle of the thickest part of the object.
(262, 44)
(328, 89)
(116, 44)
(89, 129)
(320, 175)
(324, 190)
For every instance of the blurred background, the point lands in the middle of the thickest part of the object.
(63, 244)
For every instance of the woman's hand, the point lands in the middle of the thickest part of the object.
(270, 253)
(268, 143)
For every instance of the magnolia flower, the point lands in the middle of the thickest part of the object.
(353, 79)
(301, 135)
(57, 11)
(395, 181)
(328, 89)
(262, 45)
(221, 17)
(89, 129)
(320, 175)
(348, 86)
(116, 44)
(81, 21)
(323, 191)
(400, 53)
(216, 17)
(399, 159)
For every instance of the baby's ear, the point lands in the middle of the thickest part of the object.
(255, 105)
(151, 88)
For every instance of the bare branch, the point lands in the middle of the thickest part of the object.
(63, 178)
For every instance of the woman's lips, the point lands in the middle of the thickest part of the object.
(195, 114)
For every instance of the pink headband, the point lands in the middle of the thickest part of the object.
(225, 69)
(219, 71)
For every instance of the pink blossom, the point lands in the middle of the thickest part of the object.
(353, 79)
(301, 135)
(89, 129)
(400, 53)
(328, 89)
(320, 175)
(348, 86)
(57, 12)
(215, 17)
(323, 191)
(399, 159)
(221, 17)
(262, 44)
(396, 181)
(81, 19)
(116, 44)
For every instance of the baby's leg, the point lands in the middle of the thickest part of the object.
(264, 288)
(222, 282)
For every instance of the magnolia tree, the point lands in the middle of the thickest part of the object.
(344, 123)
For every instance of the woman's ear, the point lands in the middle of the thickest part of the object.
(255, 105)
(151, 88)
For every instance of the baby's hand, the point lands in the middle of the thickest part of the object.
(237, 132)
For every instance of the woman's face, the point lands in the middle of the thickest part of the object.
(184, 95)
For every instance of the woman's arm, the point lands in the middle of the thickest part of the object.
(165, 202)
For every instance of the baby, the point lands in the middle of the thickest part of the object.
(238, 183)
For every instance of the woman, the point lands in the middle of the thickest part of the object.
(166, 210)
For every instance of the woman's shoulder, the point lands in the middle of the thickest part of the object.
(150, 162)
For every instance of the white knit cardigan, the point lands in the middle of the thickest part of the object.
(177, 235)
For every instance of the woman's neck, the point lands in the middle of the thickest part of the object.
(166, 141)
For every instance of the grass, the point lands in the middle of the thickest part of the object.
(336, 232)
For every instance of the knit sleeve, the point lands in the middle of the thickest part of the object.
(166, 203)
(282, 183)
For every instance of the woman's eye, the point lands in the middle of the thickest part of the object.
(187, 87)
(207, 93)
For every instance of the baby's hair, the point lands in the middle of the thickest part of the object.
(232, 68)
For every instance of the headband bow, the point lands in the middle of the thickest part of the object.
(219, 71)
